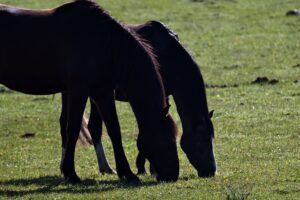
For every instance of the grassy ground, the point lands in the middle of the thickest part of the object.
(257, 127)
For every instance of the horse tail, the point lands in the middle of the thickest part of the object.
(85, 135)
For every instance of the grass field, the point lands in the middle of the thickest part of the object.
(257, 126)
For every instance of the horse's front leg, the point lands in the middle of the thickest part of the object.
(140, 164)
(95, 129)
(63, 125)
(107, 108)
(76, 101)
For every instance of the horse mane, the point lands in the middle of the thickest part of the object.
(145, 44)
(126, 78)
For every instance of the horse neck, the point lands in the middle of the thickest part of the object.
(181, 73)
(147, 104)
(147, 98)
(188, 91)
(143, 86)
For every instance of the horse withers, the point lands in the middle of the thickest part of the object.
(80, 50)
(183, 80)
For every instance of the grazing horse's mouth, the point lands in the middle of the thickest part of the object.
(166, 178)
(204, 170)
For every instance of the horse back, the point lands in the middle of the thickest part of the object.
(42, 48)
(28, 51)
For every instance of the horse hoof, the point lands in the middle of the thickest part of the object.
(154, 174)
(134, 181)
(73, 180)
(206, 174)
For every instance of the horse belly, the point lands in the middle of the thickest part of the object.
(29, 74)
(32, 85)
(30, 60)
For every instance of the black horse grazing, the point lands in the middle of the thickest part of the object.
(80, 50)
(182, 79)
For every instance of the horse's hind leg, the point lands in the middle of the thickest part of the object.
(76, 100)
(107, 107)
(95, 129)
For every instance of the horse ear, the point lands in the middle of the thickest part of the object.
(166, 111)
(211, 113)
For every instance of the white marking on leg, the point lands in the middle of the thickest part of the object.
(102, 161)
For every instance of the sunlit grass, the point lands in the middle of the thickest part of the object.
(257, 126)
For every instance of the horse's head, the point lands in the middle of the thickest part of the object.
(160, 149)
(197, 143)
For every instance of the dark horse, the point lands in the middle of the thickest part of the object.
(183, 80)
(80, 50)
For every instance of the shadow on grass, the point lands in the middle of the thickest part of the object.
(55, 185)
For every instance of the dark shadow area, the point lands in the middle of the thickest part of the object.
(296, 66)
(295, 94)
(221, 86)
(293, 12)
(40, 99)
(265, 80)
(50, 185)
(28, 135)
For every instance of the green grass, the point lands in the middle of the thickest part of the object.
(257, 127)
